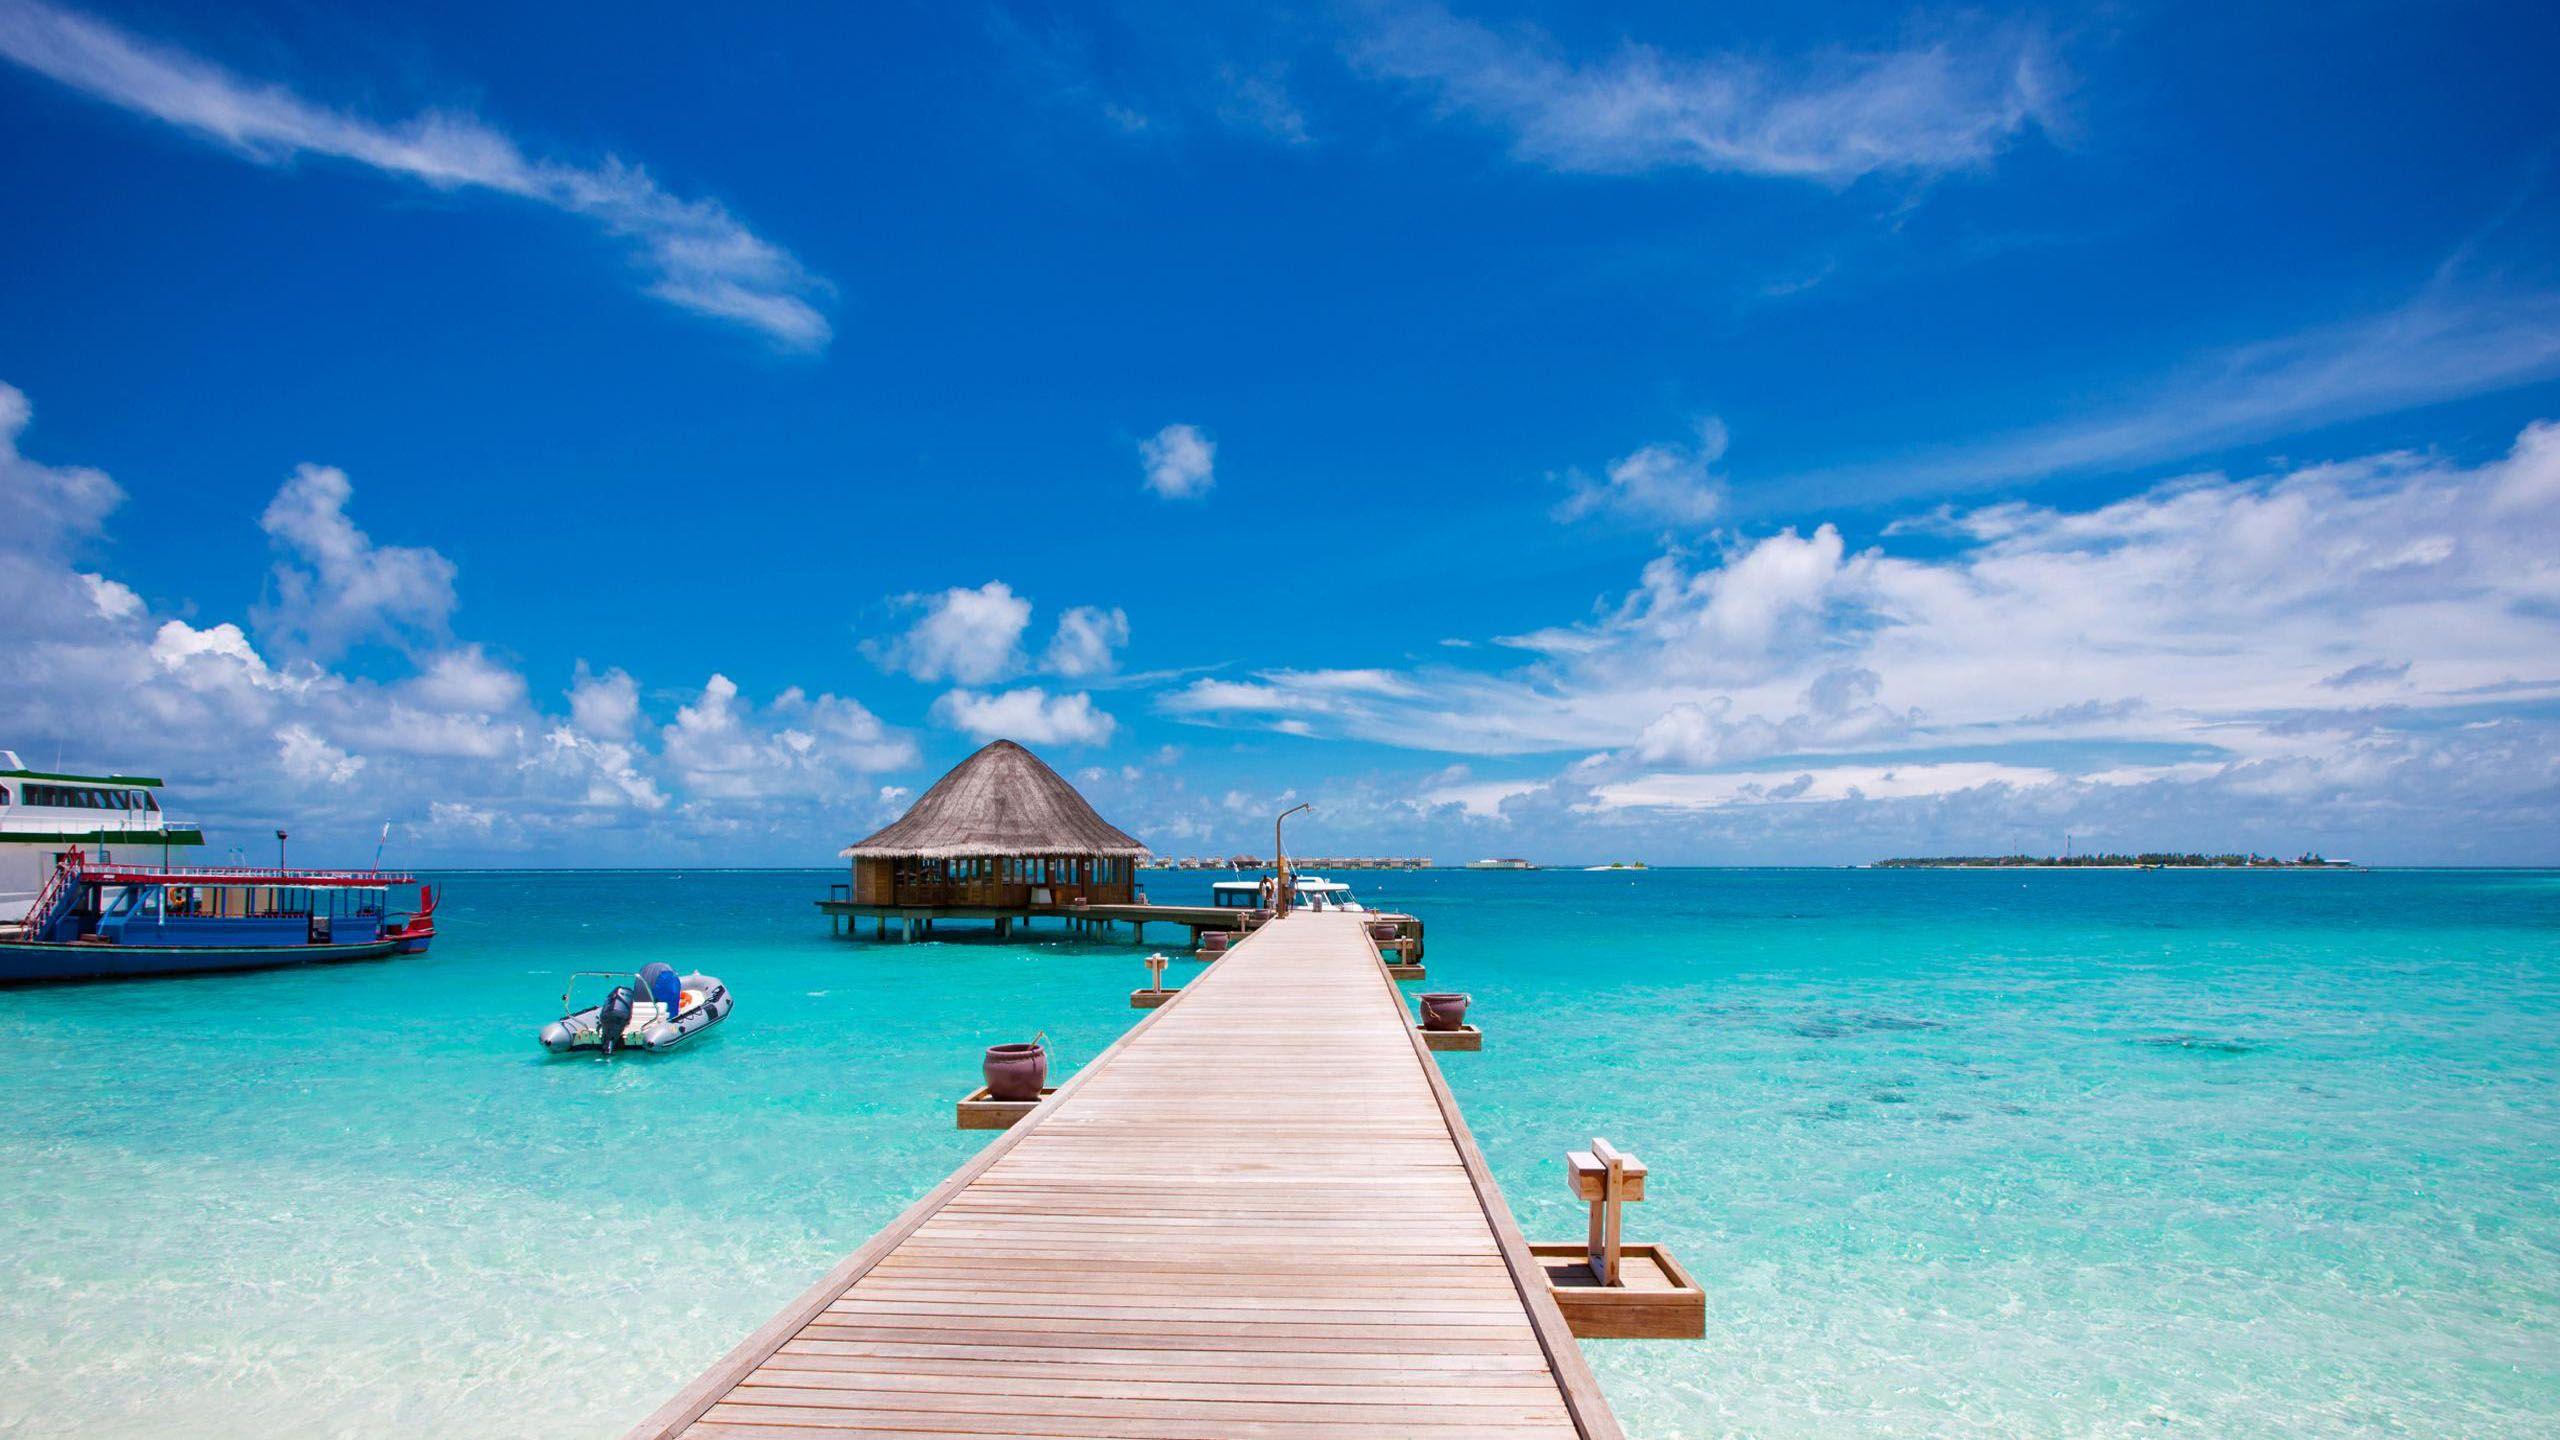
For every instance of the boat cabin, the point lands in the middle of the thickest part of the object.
(1308, 892)
(214, 908)
(44, 815)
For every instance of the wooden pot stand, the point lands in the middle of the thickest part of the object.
(1465, 1037)
(1609, 1290)
(982, 1111)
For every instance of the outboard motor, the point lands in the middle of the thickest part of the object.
(658, 979)
(613, 1017)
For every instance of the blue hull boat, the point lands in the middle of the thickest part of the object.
(30, 963)
(108, 922)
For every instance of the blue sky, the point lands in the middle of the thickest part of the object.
(1739, 434)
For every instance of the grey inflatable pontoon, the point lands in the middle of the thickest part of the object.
(627, 1020)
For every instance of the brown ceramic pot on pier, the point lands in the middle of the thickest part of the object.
(1016, 1072)
(1383, 931)
(1440, 1012)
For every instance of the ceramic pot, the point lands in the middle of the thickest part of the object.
(1441, 1012)
(1382, 931)
(1016, 1072)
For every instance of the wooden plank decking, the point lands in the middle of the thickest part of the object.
(1257, 1214)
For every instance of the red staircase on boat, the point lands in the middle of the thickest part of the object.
(59, 889)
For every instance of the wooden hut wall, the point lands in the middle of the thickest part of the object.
(1010, 882)
(874, 882)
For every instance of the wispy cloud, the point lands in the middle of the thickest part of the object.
(1947, 104)
(695, 253)
(1675, 484)
(2450, 340)
(1150, 80)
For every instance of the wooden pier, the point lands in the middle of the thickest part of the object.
(1258, 1213)
(916, 922)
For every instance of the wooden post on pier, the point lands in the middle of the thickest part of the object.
(1608, 1179)
(1155, 994)
(1607, 1288)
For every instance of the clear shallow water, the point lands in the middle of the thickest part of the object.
(1952, 1153)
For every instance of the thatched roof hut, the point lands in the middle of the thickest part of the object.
(1002, 830)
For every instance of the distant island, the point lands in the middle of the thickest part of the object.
(2149, 860)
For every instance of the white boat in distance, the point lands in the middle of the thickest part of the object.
(1310, 892)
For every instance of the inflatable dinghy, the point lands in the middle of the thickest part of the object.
(654, 1010)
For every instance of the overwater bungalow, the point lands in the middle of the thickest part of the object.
(1000, 837)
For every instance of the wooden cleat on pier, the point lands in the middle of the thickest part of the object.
(1403, 972)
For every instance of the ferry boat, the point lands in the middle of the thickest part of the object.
(44, 813)
(1501, 865)
(68, 912)
(1308, 892)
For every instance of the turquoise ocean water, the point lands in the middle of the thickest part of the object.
(1953, 1154)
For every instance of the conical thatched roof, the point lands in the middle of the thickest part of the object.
(1001, 801)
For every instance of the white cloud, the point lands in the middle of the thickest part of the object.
(604, 707)
(178, 644)
(724, 750)
(2203, 650)
(335, 587)
(1950, 103)
(1837, 710)
(115, 600)
(1030, 715)
(444, 738)
(466, 679)
(308, 758)
(969, 635)
(1179, 462)
(1086, 640)
(47, 508)
(696, 255)
(1673, 484)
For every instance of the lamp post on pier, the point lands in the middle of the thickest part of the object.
(1280, 859)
